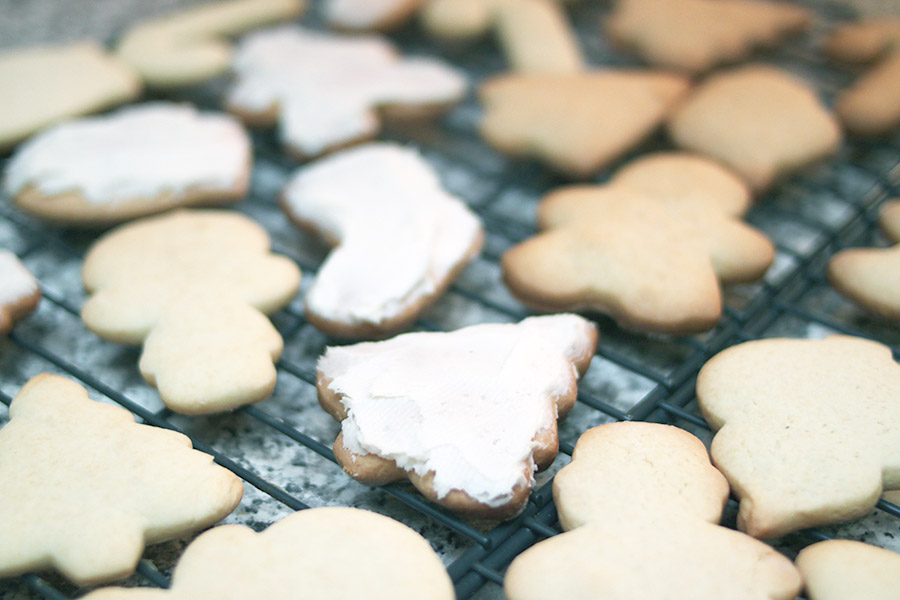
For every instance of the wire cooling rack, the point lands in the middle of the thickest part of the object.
(281, 447)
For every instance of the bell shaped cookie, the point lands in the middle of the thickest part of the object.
(466, 416)
(194, 287)
(807, 431)
(86, 487)
(19, 291)
(640, 506)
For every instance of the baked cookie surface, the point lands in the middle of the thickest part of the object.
(19, 291)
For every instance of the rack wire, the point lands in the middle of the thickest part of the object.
(633, 377)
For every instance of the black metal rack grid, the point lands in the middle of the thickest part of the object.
(809, 216)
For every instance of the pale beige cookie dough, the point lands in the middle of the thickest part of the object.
(19, 291)
(759, 120)
(871, 276)
(849, 570)
(335, 553)
(535, 34)
(696, 35)
(466, 416)
(640, 505)
(576, 124)
(652, 263)
(192, 46)
(369, 15)
(85, 487)
(194, 287)
(44, 85)
(871, 106)
(807, 431)
(166, 155)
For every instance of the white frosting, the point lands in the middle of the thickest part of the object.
(135, 153)
(400, 233)
(16, 282)
(327, 87)
(360, 14)
(466, 405)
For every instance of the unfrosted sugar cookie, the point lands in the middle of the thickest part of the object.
(369, 15)
(807, 431)
(327, 91)
(137, 161)
(192, 46)
(696, 35)
(19, 291)
(44, 85)
(400, 238)
(849, 570)
(466, 416)
(194, 287)
(335, 553)
(576, 124)
(759, 120)
(640, 505)
(871, 106)
(86, 487)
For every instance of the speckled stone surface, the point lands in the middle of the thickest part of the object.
(630, 370)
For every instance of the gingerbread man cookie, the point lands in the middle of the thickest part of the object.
(335, 553)
(369, 15)
(19, 291)
(466, 416)
(166, 155)
(847, 570)
(807, 431)
(326, 91)
(758, 120)
(652, 264)
(696, 35)
(576, 124)
(640, 505)
(192, 46)
(194, 287)
(400, 238)
(86, 487)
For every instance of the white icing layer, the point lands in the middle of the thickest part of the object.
(400, 233)
(360, 14)
(16, 282)
(135, 153)
(466, 405)
(327, 87)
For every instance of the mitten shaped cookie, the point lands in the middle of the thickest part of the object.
(137, 161)
(19, 291)
(400, 238)
(369, 15)
(640, 505)
(192, 46)
(576, 124)
(85, 487)
(466, 416)
(696, 35)
(194, 287)
(808, 431)
(847, 570)
(335, 553)
(758, 120)
(871, 276)
(652, 264)
(871, 106)
(327, 91)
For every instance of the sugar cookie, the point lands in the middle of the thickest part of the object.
(369, 15)
(807, 430)
(467, 416)
(19, 291)
(192, 46)
(640, 505)
(86, 487)
(378, 559)
(46, 85)
(193, 286)
(400, 238)
(137, 161)
(576, 123)
(325, 91)
(758, 120)
(847, 570)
